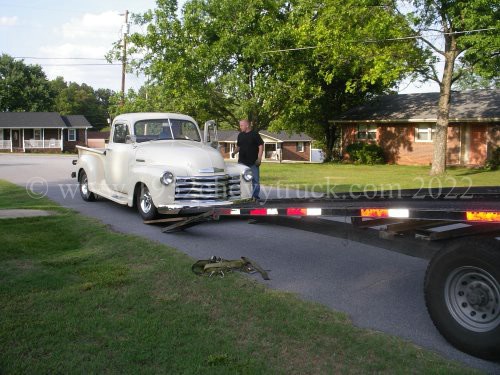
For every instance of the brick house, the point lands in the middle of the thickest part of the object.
(277, 146)
(42, 132)
(403, 125)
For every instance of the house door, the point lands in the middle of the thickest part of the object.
(16, 139)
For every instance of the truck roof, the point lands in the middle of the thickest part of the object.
(133, 117)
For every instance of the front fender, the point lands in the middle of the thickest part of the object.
(245, 187)
(150, 176)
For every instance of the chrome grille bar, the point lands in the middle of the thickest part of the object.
(207, 188)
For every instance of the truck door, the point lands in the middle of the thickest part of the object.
(118, 154)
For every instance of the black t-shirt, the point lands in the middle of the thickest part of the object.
(249, 147)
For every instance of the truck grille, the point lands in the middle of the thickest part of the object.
(207, 188)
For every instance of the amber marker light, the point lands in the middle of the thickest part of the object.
(374, 212)
(483, 216)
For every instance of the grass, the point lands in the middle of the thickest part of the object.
(76, 297)
(349, 177)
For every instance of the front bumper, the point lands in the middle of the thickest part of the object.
(193, 207)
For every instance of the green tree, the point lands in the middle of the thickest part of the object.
(206, 65)
(75, 99)
(348, 52)
(211, 67)
(464, 34)
(23, 88)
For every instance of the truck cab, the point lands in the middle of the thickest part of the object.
(161, 163)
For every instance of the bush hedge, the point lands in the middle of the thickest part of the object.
(366, 153)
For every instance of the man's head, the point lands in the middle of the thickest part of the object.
(245, 126)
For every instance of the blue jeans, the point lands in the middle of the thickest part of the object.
(255, 182)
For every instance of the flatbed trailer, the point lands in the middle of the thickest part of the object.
(462, 281)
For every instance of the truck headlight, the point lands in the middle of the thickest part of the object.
(248, 175)
(167, 178)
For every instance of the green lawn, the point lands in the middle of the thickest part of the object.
(349, 177)
(76, 297)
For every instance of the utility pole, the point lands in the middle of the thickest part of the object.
(125, 32)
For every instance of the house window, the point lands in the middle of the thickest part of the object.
(300, 146)
(366, 132)
(424, 133)
(71, 134)
(37, 134)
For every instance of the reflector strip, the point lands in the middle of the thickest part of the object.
(224, 211)
(235, 211)
(258, 211)
(272, 211)
(296, 211)
(483, 216)
(399, 212)
(374, 212)
(314, 212)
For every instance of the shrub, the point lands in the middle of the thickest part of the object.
(366, 153)
(493, 162)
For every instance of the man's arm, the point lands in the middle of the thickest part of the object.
(235, 151)
(259, 156)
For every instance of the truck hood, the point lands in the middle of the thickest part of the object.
(195, 157)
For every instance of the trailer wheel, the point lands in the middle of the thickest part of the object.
(145, 204)
(462, 294)
(86, 194)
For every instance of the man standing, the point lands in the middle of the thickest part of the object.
(250, 147)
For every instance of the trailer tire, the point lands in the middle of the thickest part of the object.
(145, 204)
(462, 295)
(86, 194)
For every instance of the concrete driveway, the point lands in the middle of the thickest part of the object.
(379, 289)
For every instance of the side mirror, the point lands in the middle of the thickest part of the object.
(130, 139)
(210, 134)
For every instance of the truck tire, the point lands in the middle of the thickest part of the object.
(86, 194)
(462, 294)
(145, 204)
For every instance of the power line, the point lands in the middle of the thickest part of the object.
(97, 64)
(58, 58)
(381, 40)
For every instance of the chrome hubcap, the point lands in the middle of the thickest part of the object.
(473, 298)
(146, 201)
(85, 185)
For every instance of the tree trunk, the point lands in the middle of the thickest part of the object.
(441, 134)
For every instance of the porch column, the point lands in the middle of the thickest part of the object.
(24, 149)
(310, 151)
(43, 137)
(62, 139)
(11, 140)
(86, 144)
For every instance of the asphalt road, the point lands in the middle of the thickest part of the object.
(379, 289)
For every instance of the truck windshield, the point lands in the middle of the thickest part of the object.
(150, 130)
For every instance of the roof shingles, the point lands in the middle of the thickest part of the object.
(46, 120)
(467, 105)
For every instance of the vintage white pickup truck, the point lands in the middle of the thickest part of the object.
(160, 163)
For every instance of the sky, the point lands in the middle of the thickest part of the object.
(70, 39)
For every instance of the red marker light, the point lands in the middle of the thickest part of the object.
(258, 211)
(296, 211)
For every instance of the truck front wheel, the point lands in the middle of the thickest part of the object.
(86, 194)
(145, 204)
(462, 294)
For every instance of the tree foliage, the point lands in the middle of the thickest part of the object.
(464, 34)
(75, 99)
(229, 59)
(23, 88)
